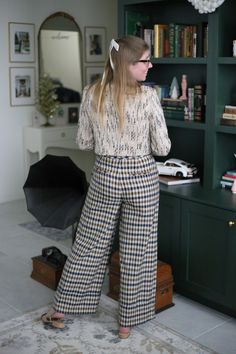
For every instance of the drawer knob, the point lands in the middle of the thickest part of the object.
(63, 134)
(231, 223)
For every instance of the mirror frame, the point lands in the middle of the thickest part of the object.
(71, 18)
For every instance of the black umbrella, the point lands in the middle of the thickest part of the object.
(55, 191)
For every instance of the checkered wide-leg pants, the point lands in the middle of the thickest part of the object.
(126, 189)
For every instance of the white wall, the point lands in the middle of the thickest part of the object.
(13, 119)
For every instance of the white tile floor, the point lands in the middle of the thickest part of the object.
(19, 293)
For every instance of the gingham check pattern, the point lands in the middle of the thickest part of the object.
(128, 189)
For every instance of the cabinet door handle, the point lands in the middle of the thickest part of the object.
(231, 223)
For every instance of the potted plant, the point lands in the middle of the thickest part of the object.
(46, 99)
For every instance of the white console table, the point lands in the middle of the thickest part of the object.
(38, 139)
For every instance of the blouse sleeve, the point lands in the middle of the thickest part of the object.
(159, 139)
(85, 137)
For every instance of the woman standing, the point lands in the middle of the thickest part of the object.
(122, 121)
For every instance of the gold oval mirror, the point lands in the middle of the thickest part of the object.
(60, 55)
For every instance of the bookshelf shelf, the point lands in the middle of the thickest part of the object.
(226, 61)
(229, 129)
(185, 124)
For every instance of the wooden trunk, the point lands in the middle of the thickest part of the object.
(45, 272)
(164, 291)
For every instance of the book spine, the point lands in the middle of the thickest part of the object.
(231, 172)
(230, 109)
(177, 47)
(191, 103)
(166, 49)
(171, 40)
(179, 115)
(198, 102)
(225, 178)
(147, 36)
(226, 184)
(194, 50)
(205, 39)
(188, 41)
(229, 115)
(184, 49)
(156, 41)
(173, 108)
(161, 41)
(174, 112)
(173, 102)
(228, 121)
(182, 42)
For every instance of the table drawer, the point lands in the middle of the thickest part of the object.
(57, 134)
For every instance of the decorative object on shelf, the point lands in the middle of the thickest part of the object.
(177, 167)
(95, 44)
(21, 42)
(174, 88)
(205, 6)
(234, 48)
(184, 85)
(22, 86)
(73, 115)
(46, 102)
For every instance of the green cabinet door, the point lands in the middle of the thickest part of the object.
(208, 255)
(169, 231)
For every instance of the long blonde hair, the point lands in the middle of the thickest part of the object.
(119, 80)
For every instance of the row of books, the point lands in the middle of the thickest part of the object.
(192, 109)
(228, 179)
(177, 40)
(229, 115)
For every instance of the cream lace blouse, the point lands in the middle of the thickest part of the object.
(144, 133)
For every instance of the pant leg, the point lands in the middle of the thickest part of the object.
(138, 244)
(80, 286)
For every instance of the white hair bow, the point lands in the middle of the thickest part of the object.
(115, 45)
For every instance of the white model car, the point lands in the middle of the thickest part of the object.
(176, 167)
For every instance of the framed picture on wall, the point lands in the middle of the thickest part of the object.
(22, 86)
(21, 42)
(92, 73)
(95, 44)
(73, 115)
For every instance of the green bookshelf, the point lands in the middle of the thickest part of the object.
(205, 214)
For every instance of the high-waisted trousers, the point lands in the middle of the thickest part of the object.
(126, 190)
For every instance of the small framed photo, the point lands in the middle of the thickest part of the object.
(22, 86)
(95, 44)
(21, 42)
(93, 73)
(73, 115)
